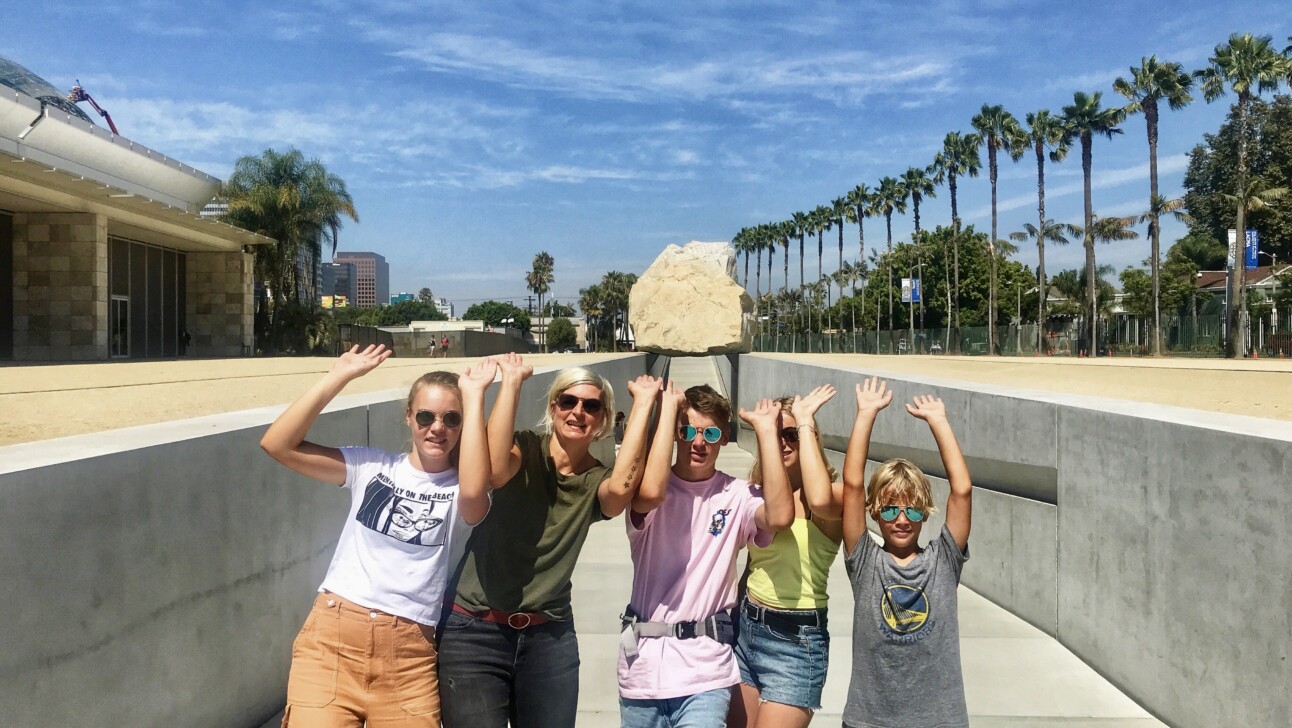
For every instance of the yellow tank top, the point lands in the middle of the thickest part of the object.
(791, 572)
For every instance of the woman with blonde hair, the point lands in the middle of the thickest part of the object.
(509, 653)
(782, 644)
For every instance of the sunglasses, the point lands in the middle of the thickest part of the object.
(688, 432)
(790, 434)
(890, 513)
(426, 418)
(567, 402)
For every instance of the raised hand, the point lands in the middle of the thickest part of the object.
(928, 408)
(645, 387)
(805, 407)
(671, 395)
(766, 413)
(354, 363)
(477, 378)
(873, 395)
(513, 367)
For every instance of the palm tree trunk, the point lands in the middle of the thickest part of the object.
(991, 249)
(955, 251)
(1150, 117)
(1041, 291)
(1238, 346)
(888, 218)
(1092, 291)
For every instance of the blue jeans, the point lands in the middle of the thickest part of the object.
(491, 674)
(786, 667)
(702, 710)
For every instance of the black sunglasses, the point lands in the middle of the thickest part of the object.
(426, 418)
(567, 402)
(790, 434)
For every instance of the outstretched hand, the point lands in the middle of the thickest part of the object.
(806, 406)
(873, 395)
(927, 408)
(766, 413)
(354, 363)
(671, 395)
(645, 387)
(477, 378)
(513, 367)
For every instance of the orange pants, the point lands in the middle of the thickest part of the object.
(353, 665)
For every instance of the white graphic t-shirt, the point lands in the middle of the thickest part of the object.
(394, 552)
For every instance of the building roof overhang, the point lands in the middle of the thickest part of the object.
(51, 161)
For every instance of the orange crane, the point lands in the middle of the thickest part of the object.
(78, 94)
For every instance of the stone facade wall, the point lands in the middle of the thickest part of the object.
(60, 280)
(220, 307)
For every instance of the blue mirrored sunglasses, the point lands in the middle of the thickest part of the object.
(890, 513)
(688, 433)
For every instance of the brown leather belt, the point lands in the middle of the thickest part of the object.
(515, 620)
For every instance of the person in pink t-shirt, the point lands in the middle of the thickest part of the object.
(685, 527)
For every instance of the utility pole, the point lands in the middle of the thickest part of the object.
(529, 305)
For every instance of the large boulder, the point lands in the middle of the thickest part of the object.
(688, 303)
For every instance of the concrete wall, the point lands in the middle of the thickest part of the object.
(156, 576)
(60, 286)
(220, 307)
(1152, 541)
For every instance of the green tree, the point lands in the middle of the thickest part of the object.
(1149, 85)
(1000, 132)
(552, 309)
(1137, 292)
(1158, 207)
(1202, 250)
(1085, 118)
(1247, 65)
(561, 334)
(299, 204)
(493, 313)
(425, 296)
(859, 200)
(593, 307)
(405, 312)
(891, 197)
(1046, 134)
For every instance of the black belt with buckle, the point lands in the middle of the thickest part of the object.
(785, 622)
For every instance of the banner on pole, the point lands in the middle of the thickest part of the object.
(910, 290)
(1250, 249)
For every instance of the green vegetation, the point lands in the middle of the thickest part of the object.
(495, 313)
(561, 334)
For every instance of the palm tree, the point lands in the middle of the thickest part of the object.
(919, 184)
(741, 245)
(1150, 84)
(1245, 64)
(1048, 231)
(891, 198)
(784, 231)
(615, 287)
(859, 198)
(1046, 135)
(958, 158)
(824, 221)
(1000, 132)
(841, 208)
(299, 204)
(591, 303)
(539, 281)
(1085, 118)
(802, 226)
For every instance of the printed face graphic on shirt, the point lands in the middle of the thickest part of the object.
(905, 608)
(401, 515)
(718, 522)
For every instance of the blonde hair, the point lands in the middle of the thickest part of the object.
(447, 380)
(896, 480)
(573, 377)
(787, 408)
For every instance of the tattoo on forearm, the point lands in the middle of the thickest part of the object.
(632, 472)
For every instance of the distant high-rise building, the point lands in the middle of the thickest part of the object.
(444, 306)
(401, 297)
(372, 277)
(339, 281)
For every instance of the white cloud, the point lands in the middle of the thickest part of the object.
(1099, 180)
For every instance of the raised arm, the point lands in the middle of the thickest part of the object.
(285, 441)
(777, 511)
(823, 497)
(617, 490)
(960, 502)
(473, 447)
(872, 396)
(504, 454)
(654, 485)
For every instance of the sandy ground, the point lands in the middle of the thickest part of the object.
(40, 402)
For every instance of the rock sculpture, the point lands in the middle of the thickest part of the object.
(688, 303)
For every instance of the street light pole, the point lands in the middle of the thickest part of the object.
(1274, 296)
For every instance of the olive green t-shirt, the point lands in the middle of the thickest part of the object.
(520, 558)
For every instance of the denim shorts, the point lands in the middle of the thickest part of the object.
(787, 668)
(702, 709)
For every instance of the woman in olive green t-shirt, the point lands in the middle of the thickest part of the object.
(509, 653)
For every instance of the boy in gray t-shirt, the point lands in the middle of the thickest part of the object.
(906, 631)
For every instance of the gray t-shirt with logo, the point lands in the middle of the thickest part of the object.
(906, 638)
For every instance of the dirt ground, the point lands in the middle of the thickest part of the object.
(41, 402)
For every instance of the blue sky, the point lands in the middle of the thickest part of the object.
(473, 136)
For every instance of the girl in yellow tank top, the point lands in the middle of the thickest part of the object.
(783, 644)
